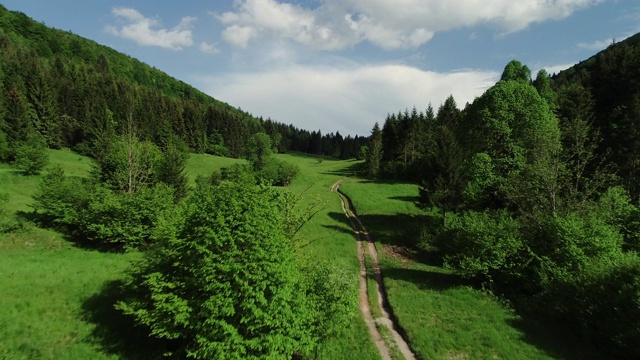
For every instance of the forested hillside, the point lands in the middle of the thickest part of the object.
(534, 192)
(75, 93)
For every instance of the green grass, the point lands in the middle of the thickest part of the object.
(205, 165)
(328, 237)
(444, 317)
(49, 287)
(56, 300)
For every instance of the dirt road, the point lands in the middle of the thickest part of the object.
(362, 236)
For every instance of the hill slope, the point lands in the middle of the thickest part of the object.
(74, 92)
(605, 90)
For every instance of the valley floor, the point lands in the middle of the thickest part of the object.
(57, 299)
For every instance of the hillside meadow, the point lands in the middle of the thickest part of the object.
(58, 298)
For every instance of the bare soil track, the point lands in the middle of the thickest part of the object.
(386, 319)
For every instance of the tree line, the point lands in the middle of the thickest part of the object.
(532, 191)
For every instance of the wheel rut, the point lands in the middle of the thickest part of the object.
(365, 244)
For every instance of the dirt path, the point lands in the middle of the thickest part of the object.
(361, 232)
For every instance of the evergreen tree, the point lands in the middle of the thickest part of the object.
(172, 169)
(31, 155)
(374, 151)
(445, 179)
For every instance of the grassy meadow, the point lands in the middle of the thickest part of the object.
(57, 299)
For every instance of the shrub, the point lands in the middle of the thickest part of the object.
(571, 242)
(329, 298)
(59, 198)
(221, 284)
(278, 172)
(603, 303)
(482, 243)
(99, 216)
(7, 221)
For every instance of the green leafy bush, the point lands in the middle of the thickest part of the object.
(98, 216)
(603, 302)
(7, 221)
(481, 243)
(117, 220)
(59, 199)
(222, 283)
(278, 172)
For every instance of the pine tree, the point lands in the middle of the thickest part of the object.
(374, 151)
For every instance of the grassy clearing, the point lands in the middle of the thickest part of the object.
(57, 299)
(204, 165)
(444, 317)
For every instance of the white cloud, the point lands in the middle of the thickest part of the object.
(209, 48)
(145, 31)
(596, 45)
(346, 99)
(389, 24)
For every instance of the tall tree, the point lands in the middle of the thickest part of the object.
(445, 177)
(374, 151)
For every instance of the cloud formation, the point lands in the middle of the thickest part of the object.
(207, 48)
(146, 31)
(389, 24)
(349, 100)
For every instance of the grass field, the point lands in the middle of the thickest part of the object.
(444, 317)
(56, 300)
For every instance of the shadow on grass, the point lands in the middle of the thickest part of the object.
(116, 333)
(411, 199)
(425, 279)
(556, 340)
(399, 229)
(354, 169)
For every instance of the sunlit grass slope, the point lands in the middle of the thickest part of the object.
(56, 300)
(444, 317)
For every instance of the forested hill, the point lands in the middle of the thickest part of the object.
(605, 89)
(77, 93)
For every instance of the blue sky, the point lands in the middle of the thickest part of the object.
(343, 64)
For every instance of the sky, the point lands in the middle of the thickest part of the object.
(342, 65)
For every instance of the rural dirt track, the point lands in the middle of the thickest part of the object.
(386, 320)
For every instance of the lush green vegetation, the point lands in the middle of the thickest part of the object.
(443, 314)
(535, 192)
(523, 205)
(77, 288)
